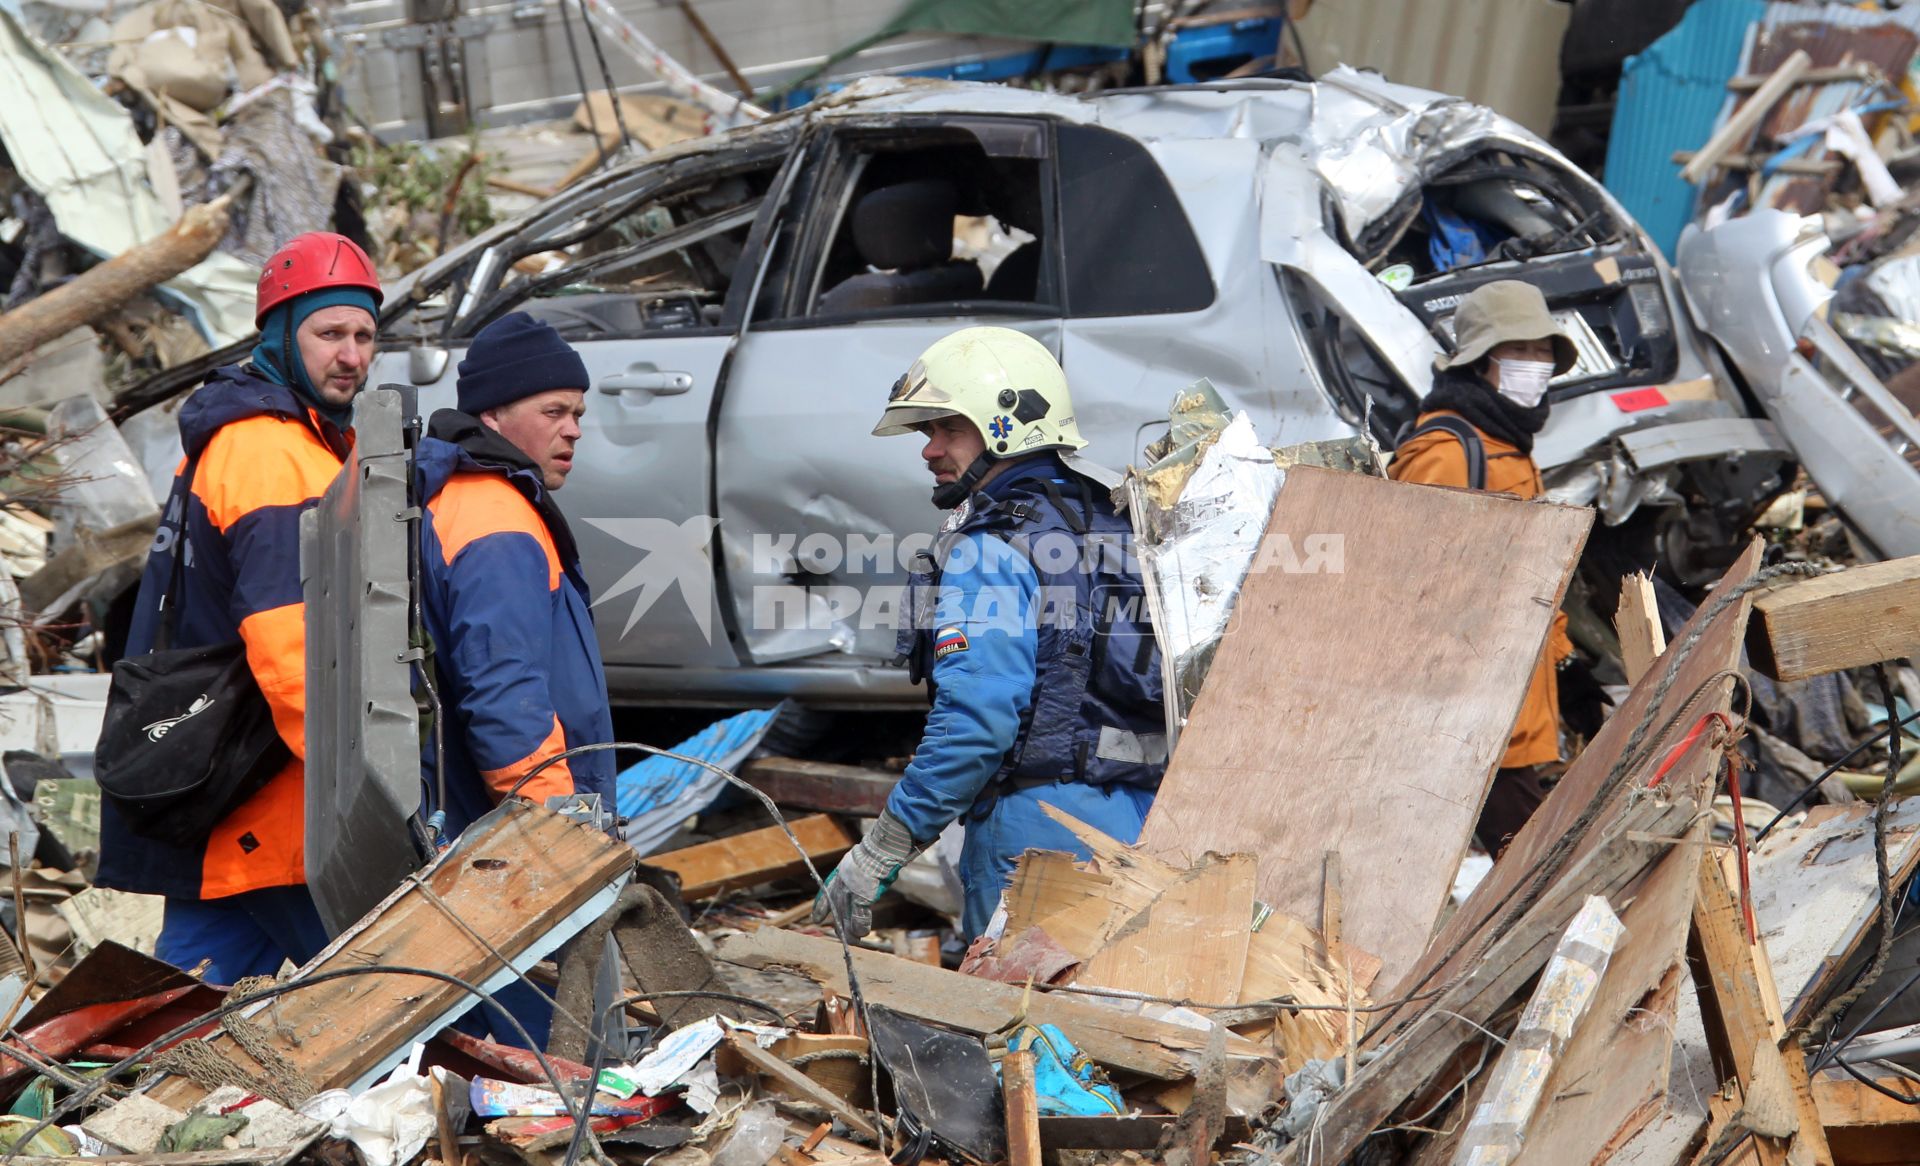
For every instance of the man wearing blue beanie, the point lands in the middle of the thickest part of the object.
(262, 441)
(503, 599)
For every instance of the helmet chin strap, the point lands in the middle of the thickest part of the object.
(948, 495)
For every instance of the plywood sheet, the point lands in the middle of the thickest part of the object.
(1815, 892)
(1586, 782)
(1190, 943)
(1363, 709)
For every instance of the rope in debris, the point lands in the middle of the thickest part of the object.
(1883, 952)
(806, 860)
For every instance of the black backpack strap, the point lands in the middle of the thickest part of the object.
(1469, 439)
(172, 597)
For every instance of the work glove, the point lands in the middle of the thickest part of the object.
(864, 875)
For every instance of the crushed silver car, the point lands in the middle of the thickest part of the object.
(1762, 285)
(743, 302)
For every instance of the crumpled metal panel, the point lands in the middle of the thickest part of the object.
(363, 731)
(76, 148)
(1500, 53)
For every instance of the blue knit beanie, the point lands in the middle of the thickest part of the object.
(515, 357)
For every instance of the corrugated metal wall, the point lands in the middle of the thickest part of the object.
(1501, 53)
(520, 67)
(1670, 97)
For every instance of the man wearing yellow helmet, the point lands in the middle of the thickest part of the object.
(1029, 624)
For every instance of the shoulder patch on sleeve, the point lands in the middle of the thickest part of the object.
(947, 641)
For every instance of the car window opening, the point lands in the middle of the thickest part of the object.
(941, 224)
(656, 265)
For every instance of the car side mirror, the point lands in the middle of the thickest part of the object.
(426, 363)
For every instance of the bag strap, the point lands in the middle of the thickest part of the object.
(1470, 443)
(176, 576)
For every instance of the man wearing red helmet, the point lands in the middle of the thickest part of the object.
(262, 441)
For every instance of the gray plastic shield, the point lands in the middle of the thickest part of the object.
(363, 730)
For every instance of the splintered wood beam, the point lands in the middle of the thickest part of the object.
(1864, 1126)
(1642, 638)
(1023, 1109)
(1862, 615)
(1775, 1099)
(820, 786)
(758, 856)
(510, 880)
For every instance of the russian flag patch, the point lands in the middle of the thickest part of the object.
(947, 641)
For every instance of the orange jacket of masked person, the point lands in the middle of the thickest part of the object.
(1505, 427)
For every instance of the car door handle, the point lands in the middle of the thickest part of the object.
(660, 384)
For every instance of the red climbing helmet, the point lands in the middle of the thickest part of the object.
(310, 262)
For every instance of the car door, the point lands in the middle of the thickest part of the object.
(636, 277)
(819, 519)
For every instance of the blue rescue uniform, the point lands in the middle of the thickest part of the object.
(1030, 626)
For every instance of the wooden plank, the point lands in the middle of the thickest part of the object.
(794, 1083)
(1607, 1083)
(1299, 741)
(1584, 783)
(756, 857)
(1132, 1132)
(1864, 1126)
(1743, 1033)
(1112, 1037)
(1190, 943)
(1642, 638)
(1737, 129)
(1023, 1109)
(817, 785)
(1815, 893)
(511, 877)
(1862, 615)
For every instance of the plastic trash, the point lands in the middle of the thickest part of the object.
(390, 1122)
(757, 1134)
(1065, 1082)
(108, 485)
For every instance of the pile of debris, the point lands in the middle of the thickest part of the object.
(1281, 969)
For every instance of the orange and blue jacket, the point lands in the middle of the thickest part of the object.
(265, 457)
(506, 611)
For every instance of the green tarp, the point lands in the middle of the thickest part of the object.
(1067, 22)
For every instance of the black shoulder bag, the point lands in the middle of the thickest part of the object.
(188, 735)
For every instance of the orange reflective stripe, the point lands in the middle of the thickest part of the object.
(263, 842)
(472, 506)
(555, 780)
(258, 462)
(276, 642)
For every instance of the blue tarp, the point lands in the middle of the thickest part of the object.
(1670, 97)
(658, 794)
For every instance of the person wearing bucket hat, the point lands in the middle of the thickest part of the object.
(1476, 430)
(505, 607)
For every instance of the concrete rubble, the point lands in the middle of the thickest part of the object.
(1699, 950)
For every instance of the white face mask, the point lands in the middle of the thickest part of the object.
(1524, 382)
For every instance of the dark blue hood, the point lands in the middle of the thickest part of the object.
(234, 393)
